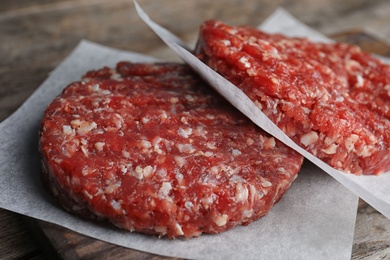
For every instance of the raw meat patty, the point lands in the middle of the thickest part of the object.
(152, 149)
(331, 99)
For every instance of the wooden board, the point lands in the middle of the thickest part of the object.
(372, 233)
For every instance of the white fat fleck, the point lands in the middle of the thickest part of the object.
(350, 142)
(83, 127)
(231, 30)
(306, 110)
(188, 205)
(185, 148)
(221, 220)
(145, 172)
(174, 100)
(250, 141)
(148, 170)
(99, 146)
(156, 141)
(184, 120)
(236, 178)
(210, 116)
(260, 194)
(181, 161)
(83, 141)
(359, 81)
(116, 76)
(112, 187)
(85, 170)
(251, 72)
(245, 62)
(75, 123)
(115, 205)
(282, 170)
(179, 177)
(252, 189)
(309, 138)
(214, 170)
(387, 87)
(105, 92)
(84, 148)
(229, 169)
(275, 53)
(185, 132)
(275, 80)
(123, 169)
(270, 143)
(211, 145)
(178, 230)
(253, 41)
(372, 137)
(190, 98)
(236, 152)
(328, 140)
(86, 193)
(139, 172)
(163, 116)
(246, 214)
(166, 187)
(58, 161)
(258, 104)
(100, 131)
(226, 42)
(241, 193)
(145, 144)
(208, 154)
(118, 120)
(125, 154)
(265, 183)
(206, 202)
(67, 130)
(331, 149)
(95, 87)
(161, 229)
(161, 172)
(366, 151)
(145, 120)
(69, 148)
(351, 64)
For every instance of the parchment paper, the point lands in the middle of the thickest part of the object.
(375, 190)
(314, 220)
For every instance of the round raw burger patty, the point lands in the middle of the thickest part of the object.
(331, 99)
(153, 149)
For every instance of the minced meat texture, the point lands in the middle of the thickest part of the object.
(331, 99)
(153, 149)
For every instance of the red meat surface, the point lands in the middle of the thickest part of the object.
(151, 148)
(331, 99)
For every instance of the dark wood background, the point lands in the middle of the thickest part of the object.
(36, 35)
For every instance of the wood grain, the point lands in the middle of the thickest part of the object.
(372, 234)
(16, 241)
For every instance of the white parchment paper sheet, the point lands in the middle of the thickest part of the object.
(314, 220)
(373, 189)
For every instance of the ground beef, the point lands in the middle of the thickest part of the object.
(331, 99)
(153, 149)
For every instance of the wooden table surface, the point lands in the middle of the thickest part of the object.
(36, 35)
